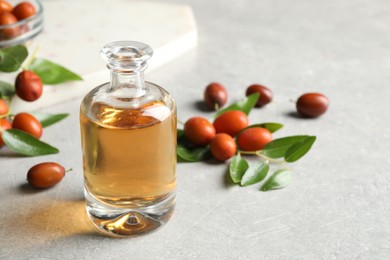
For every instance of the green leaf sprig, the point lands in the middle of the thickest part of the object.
(26, 144)
(290, 148)
(278, 152)
(13, 59)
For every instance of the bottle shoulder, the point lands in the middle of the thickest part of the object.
(129, 96)
(126, 105)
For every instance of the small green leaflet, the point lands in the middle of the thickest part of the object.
(237, 168)
(255, 173)
(180, 133)
(278, 147)
(6, 89)
(244, 105)
(48, 119)
(11, 58)
(52, 73)
(278, 180)
(272, 127)
(26, 144)
(297, 150)
(194, 154)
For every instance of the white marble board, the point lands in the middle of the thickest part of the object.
(74, 33)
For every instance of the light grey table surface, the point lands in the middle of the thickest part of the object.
(338, 205)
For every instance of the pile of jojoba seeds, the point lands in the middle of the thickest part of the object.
(229, 131)
(12, 14)
(29, 87)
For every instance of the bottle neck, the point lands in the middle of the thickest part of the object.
(131, 80)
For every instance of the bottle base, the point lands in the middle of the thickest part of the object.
(126, 222)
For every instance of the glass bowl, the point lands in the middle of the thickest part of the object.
(23, 30)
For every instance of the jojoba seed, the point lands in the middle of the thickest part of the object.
(23, 10)
(312, 104)
(215, 96)
(9, 32)
(231, 122)
(45, 175)
(3, 107)
(5, 6)
(28, 123)
(223, 147)
(265, 94)
(4, 125)
(254, 139)
(199, 130)
(28, 85)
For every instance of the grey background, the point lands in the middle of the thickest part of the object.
(337, 206)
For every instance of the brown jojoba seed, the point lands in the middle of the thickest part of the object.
(45, 175)
(28, 123)
(312, 104)
(265, 94)
(199, 130)
(215, 96)
(28, 85)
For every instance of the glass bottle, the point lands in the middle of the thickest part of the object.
(128, 134)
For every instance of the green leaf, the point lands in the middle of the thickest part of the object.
(26, 144)
(52, 73)
(255, 173)
(244, 105)
(278, 147)
(11, 58)
(48, 119)
(298, 150)
(193, 154)
(237, 168)
(272, 127)
(6, 89)
(278, 180)
(180, 133)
